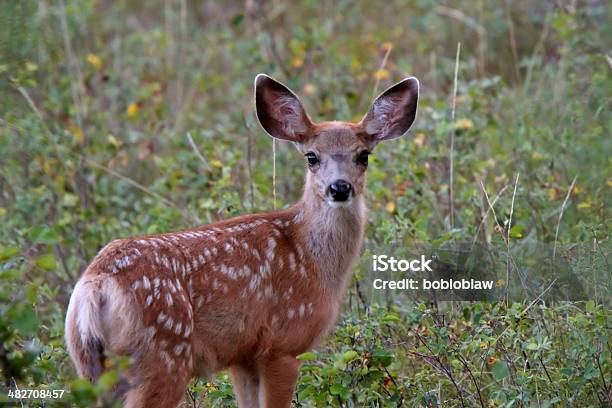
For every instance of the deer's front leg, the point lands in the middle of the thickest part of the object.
(279, 376)
(245, 380)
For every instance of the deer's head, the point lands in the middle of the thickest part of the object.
(336, 152)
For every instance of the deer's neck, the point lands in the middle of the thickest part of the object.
(332, 236)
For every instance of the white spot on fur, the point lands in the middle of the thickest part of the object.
(270, 249)
(169, 323)
(302, 310)
(161, 318)
(167, 360)
(290, 313)
(149, 301)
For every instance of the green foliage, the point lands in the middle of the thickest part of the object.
(101, 99)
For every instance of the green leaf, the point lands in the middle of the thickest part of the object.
(338, 389)
(307, 392)
(517, 231)
(8, 253)
(390, 317)
(25, 319)
(382, 357)
(46, 262)
(349, 356)
(500, 370)
(107, 380)
(308, 356)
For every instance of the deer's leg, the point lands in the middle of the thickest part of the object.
(161, 391)
(245, 380)
(279, 376)
(158, 380)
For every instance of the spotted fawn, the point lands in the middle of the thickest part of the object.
(246, 294)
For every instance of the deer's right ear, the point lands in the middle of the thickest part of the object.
(280, 111)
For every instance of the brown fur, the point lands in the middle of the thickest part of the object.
(249, 293)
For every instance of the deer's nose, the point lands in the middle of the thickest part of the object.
(340, 190)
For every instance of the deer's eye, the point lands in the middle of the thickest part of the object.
(312, 158)
(363, 157)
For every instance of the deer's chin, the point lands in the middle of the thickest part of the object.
(340, 204)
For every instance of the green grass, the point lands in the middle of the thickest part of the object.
(99, 99)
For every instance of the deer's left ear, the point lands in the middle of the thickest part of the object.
(393, 112)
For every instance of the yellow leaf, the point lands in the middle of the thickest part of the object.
(113, 140)
(464, 124)
(77, 133)
(216, 163)
(30, 66)
(553, 193)
(297, 62)
(492, 360)
(500, 283)
(584, 205)
(132, 109)
(419, 139)
(609, 182)
(483, 345)
(381, 74)
(390, 207)
(387, 46)
(310, 89)
(94, 60)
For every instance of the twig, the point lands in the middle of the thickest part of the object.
(467, 367)
(486, 214)
(512, 40)
(274, 173)
(448, 373)
(536, 299)
(382, 66)
(545, 369)
(452, 141)
(73, 64)
(569, 191)
(501, 229)
(474, 25)
(508, 236)
(132, 182)
(197, 151)
(250, 161)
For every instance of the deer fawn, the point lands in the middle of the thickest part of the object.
(250, 293)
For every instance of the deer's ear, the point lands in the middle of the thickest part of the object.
(280, 111)
(393, 112)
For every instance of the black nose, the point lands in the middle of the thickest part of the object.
(340, 190)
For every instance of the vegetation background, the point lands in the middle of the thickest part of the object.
(120, 118)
